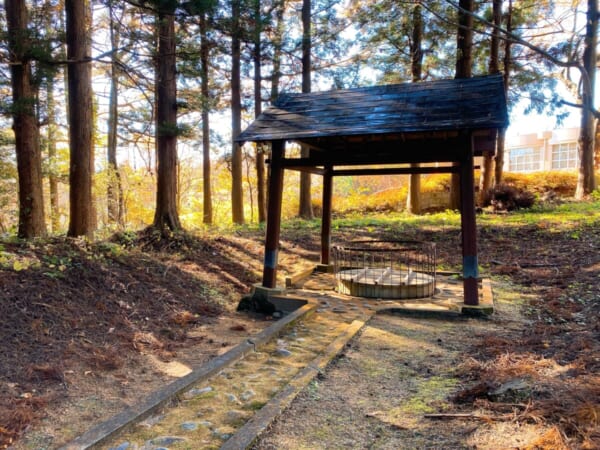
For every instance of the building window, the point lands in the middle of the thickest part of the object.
(525, 159)
(565, 155)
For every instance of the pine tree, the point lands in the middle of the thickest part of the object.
(413, 200)
(586, 180)
(485, 181)
(78, 24)
(464, 64)
(261, 185)
(166, 215)
(114, 192)
(25, 126)
(237, 198)
(305, 205)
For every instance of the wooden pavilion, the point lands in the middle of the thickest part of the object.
(382, 130)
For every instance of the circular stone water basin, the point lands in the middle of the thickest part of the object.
(385, 283)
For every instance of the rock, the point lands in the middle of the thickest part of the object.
(247, 395)
(232, 398)
(223, 436)
(277, 315)
(283, 352)
(235, 417)
(189, 426)
(151, 421)
(204, 412)
(300, 339)
(339, 310)
(205, 423)
(123, 446)
(257, 302)
(166, 440)
(197, 392)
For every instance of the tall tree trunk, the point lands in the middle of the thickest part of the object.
(499, 160)
(114, 192)
(597, 146)
(464, 62)
(485, 180)
(237, 199)
(305, 207)
(51, 148)
(277, 49)
(586, 181)
(25, 125)
(206, 169)
(261, 186)
(166, 216)
(413, 200)
(79, 52)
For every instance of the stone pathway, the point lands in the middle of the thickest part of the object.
(208, 414)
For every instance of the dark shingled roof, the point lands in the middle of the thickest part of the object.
(477, 103)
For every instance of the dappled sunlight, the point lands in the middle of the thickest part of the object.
(174, 369)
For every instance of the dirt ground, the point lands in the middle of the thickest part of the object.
(87, 329)
(527, 378)
(379, 392)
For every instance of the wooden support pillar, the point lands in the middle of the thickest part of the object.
(468, 225)
(273, 215)
(326, 216)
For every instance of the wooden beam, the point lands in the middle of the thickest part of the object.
(369, 159)
(315, 170)
(326, 216)
(394, 171)
(273, 215)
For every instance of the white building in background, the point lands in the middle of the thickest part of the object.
(547, 150)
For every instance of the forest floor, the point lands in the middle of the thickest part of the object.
(88, 328)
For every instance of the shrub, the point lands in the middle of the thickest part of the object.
(558, 182)
(439, 182)
(506, 197)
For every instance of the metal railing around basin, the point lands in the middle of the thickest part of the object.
(385, 269)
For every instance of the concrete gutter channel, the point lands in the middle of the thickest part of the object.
(105, 431)
(252, 430)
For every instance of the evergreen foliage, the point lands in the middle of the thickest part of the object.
(352, 43)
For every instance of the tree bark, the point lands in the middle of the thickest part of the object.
(166, 216)
(237, 199)
(114, 192)
(485, 180)
(499, 160)
(260, 156)
(464, 62)
(206, 168)
(25, 125)
(586, 181)
(79, 50)
(51, 148)
(305, 204)
(277, 49)
(413, 200)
